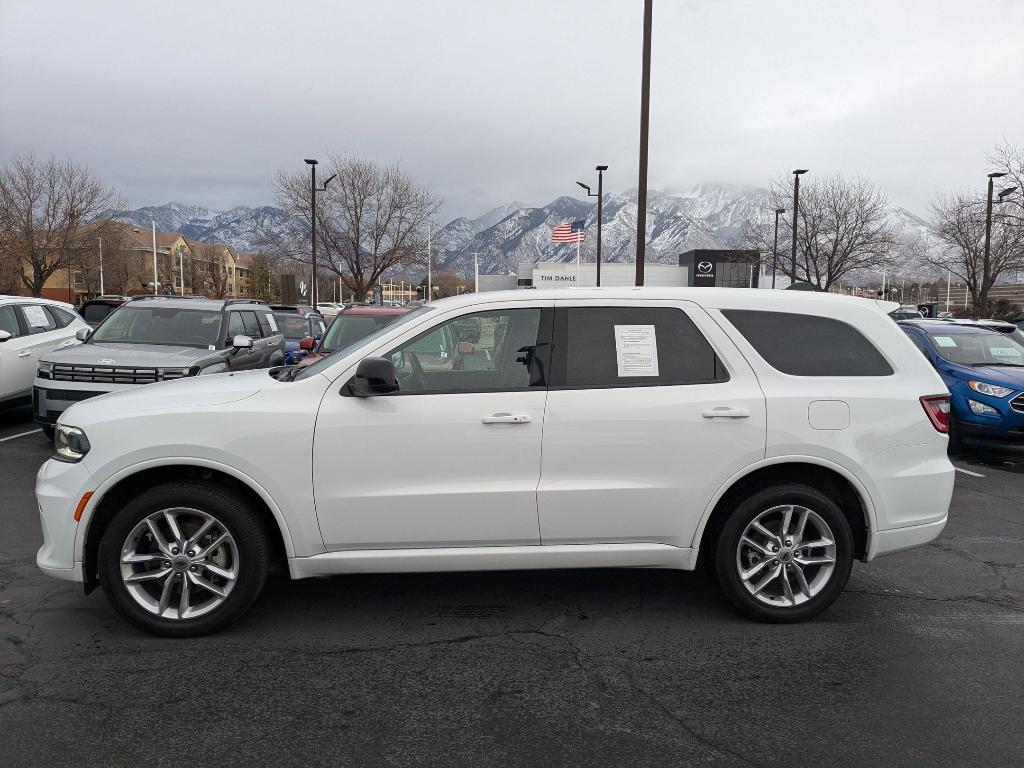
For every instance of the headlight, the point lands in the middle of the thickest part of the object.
(981, 409)
(70, 443)
(45, 370)
(991, 390)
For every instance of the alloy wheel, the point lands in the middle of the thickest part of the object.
(179, 563)
(786, 555)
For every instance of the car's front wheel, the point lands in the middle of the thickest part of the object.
(183, 559)
(784, 554)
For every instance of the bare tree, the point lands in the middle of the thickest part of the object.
(960, 231)
(843, 226)
(44, 204)
(261, 277)
(1009, 159)
(371, 219)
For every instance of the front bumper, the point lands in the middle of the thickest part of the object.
(59, 487)
(1007, 424)
(51, 398)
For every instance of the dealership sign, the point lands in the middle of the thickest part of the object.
(704, 272)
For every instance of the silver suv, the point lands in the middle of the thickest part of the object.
(150, 339)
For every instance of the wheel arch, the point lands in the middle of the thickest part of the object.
(132, 480)
(835, 481)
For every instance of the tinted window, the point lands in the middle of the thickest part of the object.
(36, 318)
(294, 327)
(60, 316)
(94, 313)
(808, 345)
(252, 325)
(348, 329)
(586, 352)
(265, 326)
(444, 360)
(9, 321)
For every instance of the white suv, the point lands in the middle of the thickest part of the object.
(772, 437)
(29, 328)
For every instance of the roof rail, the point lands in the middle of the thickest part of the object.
(142, 296)
(228, 302)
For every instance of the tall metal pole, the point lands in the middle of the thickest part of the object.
(312, 192)
(645, 111)
(775, 249)
(181, 270)
(102, 292)
(986, 264)
(796, 209)
(600, 206)
(476, 272)
(156, 278)
(429, 276)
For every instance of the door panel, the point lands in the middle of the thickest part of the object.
(640, 463)
(437, 463)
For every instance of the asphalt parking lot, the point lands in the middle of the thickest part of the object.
(919, 663)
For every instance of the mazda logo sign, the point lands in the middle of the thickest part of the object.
(704, 267)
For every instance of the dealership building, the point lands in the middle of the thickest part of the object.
(705, 267)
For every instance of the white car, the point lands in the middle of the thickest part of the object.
(29, 328)
(771, 436)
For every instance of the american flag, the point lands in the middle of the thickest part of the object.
(570, 232)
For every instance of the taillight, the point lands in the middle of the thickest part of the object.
(937, 408)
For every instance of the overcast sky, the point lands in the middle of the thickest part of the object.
(489, 101)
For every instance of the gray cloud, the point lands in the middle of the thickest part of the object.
(493, 101)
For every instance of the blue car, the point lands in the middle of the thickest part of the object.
(295, 328)
(983, 369)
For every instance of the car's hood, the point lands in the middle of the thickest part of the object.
(127, 355)
(193, 392)
(1005, 376)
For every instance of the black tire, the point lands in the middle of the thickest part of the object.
(245, 528)
(725, 552)
(956, 440)
(49, 431)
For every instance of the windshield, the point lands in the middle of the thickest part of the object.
(353, 343)
(982, 348)
(292, 326)
(161, 325)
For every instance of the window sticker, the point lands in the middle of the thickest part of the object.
(636, 350)
(945, 341)
(272, 321)
(36, 316)
(1004, 352)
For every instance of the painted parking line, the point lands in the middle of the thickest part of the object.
(23, 434)
(968, 472)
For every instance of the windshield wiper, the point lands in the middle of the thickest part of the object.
(1008, 365)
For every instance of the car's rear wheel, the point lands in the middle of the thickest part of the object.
(183, 559)
(784, 554)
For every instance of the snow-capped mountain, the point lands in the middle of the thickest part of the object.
(242, 227)
(706, 216)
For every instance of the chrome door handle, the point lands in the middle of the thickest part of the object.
(505, 418)
(724, 412)
(25, 353)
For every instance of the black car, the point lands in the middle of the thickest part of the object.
(95, 311)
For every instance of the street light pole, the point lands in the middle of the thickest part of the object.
(600, 206)
(313, 189)
(645, 113)
(775, 250)
(476, 272)
(796, 209)
(986, 264)
(102, 292)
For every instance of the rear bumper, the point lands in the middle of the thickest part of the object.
(898, 539)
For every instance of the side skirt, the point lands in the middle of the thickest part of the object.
(494, 559)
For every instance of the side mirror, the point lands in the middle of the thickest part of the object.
(4, 336)
(83, 333)
(374, 376)
(241, 342)
(307, 344)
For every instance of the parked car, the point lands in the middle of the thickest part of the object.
(296, 328)
(300, 309)
(329, 309)
(771, 437)
(906, 312)
(95, 311)
(982, 365)
(151, 339)
(29, 328)
(351, 325)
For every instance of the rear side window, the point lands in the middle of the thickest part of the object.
(94, 313)
(808, 345)
(62, 317)
(265, 326)
(630, 347)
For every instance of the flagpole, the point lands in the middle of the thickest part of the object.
(578, 239)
